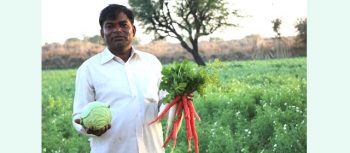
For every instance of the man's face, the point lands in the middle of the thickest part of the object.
(118, 33)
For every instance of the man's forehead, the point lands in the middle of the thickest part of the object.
(118, 17)
(117, 21)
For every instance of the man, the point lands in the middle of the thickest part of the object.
(127, 80)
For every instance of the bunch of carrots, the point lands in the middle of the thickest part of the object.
(178, 80)
(182, 105)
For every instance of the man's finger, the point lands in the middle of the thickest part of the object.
(102, 131)
(88, 131)
(98, 133)
(189, 96)
(77, 121)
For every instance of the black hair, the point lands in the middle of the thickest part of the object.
(112, 10)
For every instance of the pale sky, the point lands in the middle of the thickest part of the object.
(63, 19)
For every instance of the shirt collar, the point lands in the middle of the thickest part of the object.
(107, 55)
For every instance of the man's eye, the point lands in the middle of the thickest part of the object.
(108, 26)
(123, 25)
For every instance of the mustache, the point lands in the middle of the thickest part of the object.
(118, 36)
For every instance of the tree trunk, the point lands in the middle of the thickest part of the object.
(197, 58)
(193, 51)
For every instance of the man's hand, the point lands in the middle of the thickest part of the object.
(189, 96)
(94, 132)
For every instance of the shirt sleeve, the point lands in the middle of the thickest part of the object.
(84, 93)
(162, 106)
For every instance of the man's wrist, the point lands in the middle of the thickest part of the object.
(160, 102)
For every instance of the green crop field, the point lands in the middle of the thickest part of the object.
(257, 106)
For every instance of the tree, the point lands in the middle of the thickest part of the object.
(96, 39)
(185, 20)
(136, 41)
(276, 27)
(72, 40)
(280, 49)
(301, 26)
(212, 39)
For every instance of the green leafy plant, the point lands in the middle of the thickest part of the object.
(238, 110)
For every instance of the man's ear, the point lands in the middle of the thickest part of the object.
(102, 34)
(134, 29)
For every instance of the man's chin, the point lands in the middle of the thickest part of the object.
(119, 45)
(118, 41)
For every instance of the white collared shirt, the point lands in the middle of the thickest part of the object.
(131, 90)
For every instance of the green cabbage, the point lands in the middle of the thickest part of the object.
(96, 115)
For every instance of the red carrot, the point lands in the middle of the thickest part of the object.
(168, 139)
(193, 127)
(177, 126)
(174, 101)
(193, 110)
(188, 123)
(176, 122)
(179, 108)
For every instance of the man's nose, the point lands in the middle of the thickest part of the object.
(117, 29)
